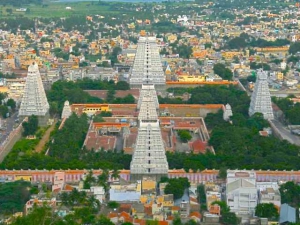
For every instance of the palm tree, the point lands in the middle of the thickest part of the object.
(115, 174)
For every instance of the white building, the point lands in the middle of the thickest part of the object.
(269, 193)
(241, 192)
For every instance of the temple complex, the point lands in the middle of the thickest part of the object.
(34, 101)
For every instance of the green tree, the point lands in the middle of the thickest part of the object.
(223, 173)
(31, 126)
(11, 103)
(3, 111)
(89, 180)
(106, 114)
(177, 186)
(294, 48)
(229, 218)
(122, 85)
(267, 210)
(113, 205)
(224, 207)
(98, 118)
(222, 71)
(104, 221)
(184, 135)
(9, 11)
(290, 193)
(13, 196)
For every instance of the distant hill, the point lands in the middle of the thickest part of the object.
(18, 3)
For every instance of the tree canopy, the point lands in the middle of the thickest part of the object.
(13, 196)
(222, 71)
(176, 186)
(31, 126)
(267, 210)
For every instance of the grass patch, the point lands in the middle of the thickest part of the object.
(58, 10)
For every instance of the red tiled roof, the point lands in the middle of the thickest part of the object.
(148, 210)
(170, 218)
(125, 208)
(94, 141)
(163, 223)
(198, 146)
(196, 214)
(124, 215)
(68, 187)
(112, 215)
(139, 221)
(175, 208)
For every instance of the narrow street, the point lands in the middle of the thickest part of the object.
(285, 133)
(9, 125)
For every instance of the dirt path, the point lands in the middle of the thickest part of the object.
(45, 138)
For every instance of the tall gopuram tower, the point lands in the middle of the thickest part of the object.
(34, 101)
(149, 157)
(261, 99)
(147, 66)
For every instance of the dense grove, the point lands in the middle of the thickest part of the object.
(74, 93)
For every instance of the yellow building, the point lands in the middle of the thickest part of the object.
(93, 108)
(191, 78)
(142, 33)
(283, 49)
(23, 177)
(165, 200)
(131, 26)
(47, 45)
(200, 54)
(148, 185)
(230, 55)
(279, 76)
(172, 38)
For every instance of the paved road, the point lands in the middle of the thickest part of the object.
(10, 124)
(285, 133)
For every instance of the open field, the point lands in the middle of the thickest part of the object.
(59, 10)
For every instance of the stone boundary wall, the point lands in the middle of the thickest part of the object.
(204, 176)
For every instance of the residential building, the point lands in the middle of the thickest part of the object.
(241, 192)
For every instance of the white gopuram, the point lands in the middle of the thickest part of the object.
(147, 66)
(149, 157)
(227, 112)
(66, 113)
(261, 99)
(34, 101)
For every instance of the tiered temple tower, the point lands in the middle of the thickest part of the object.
(149, 158)
(66, 113)
(34, 101)
(147, 67)
(227, 112)
(261, 99)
